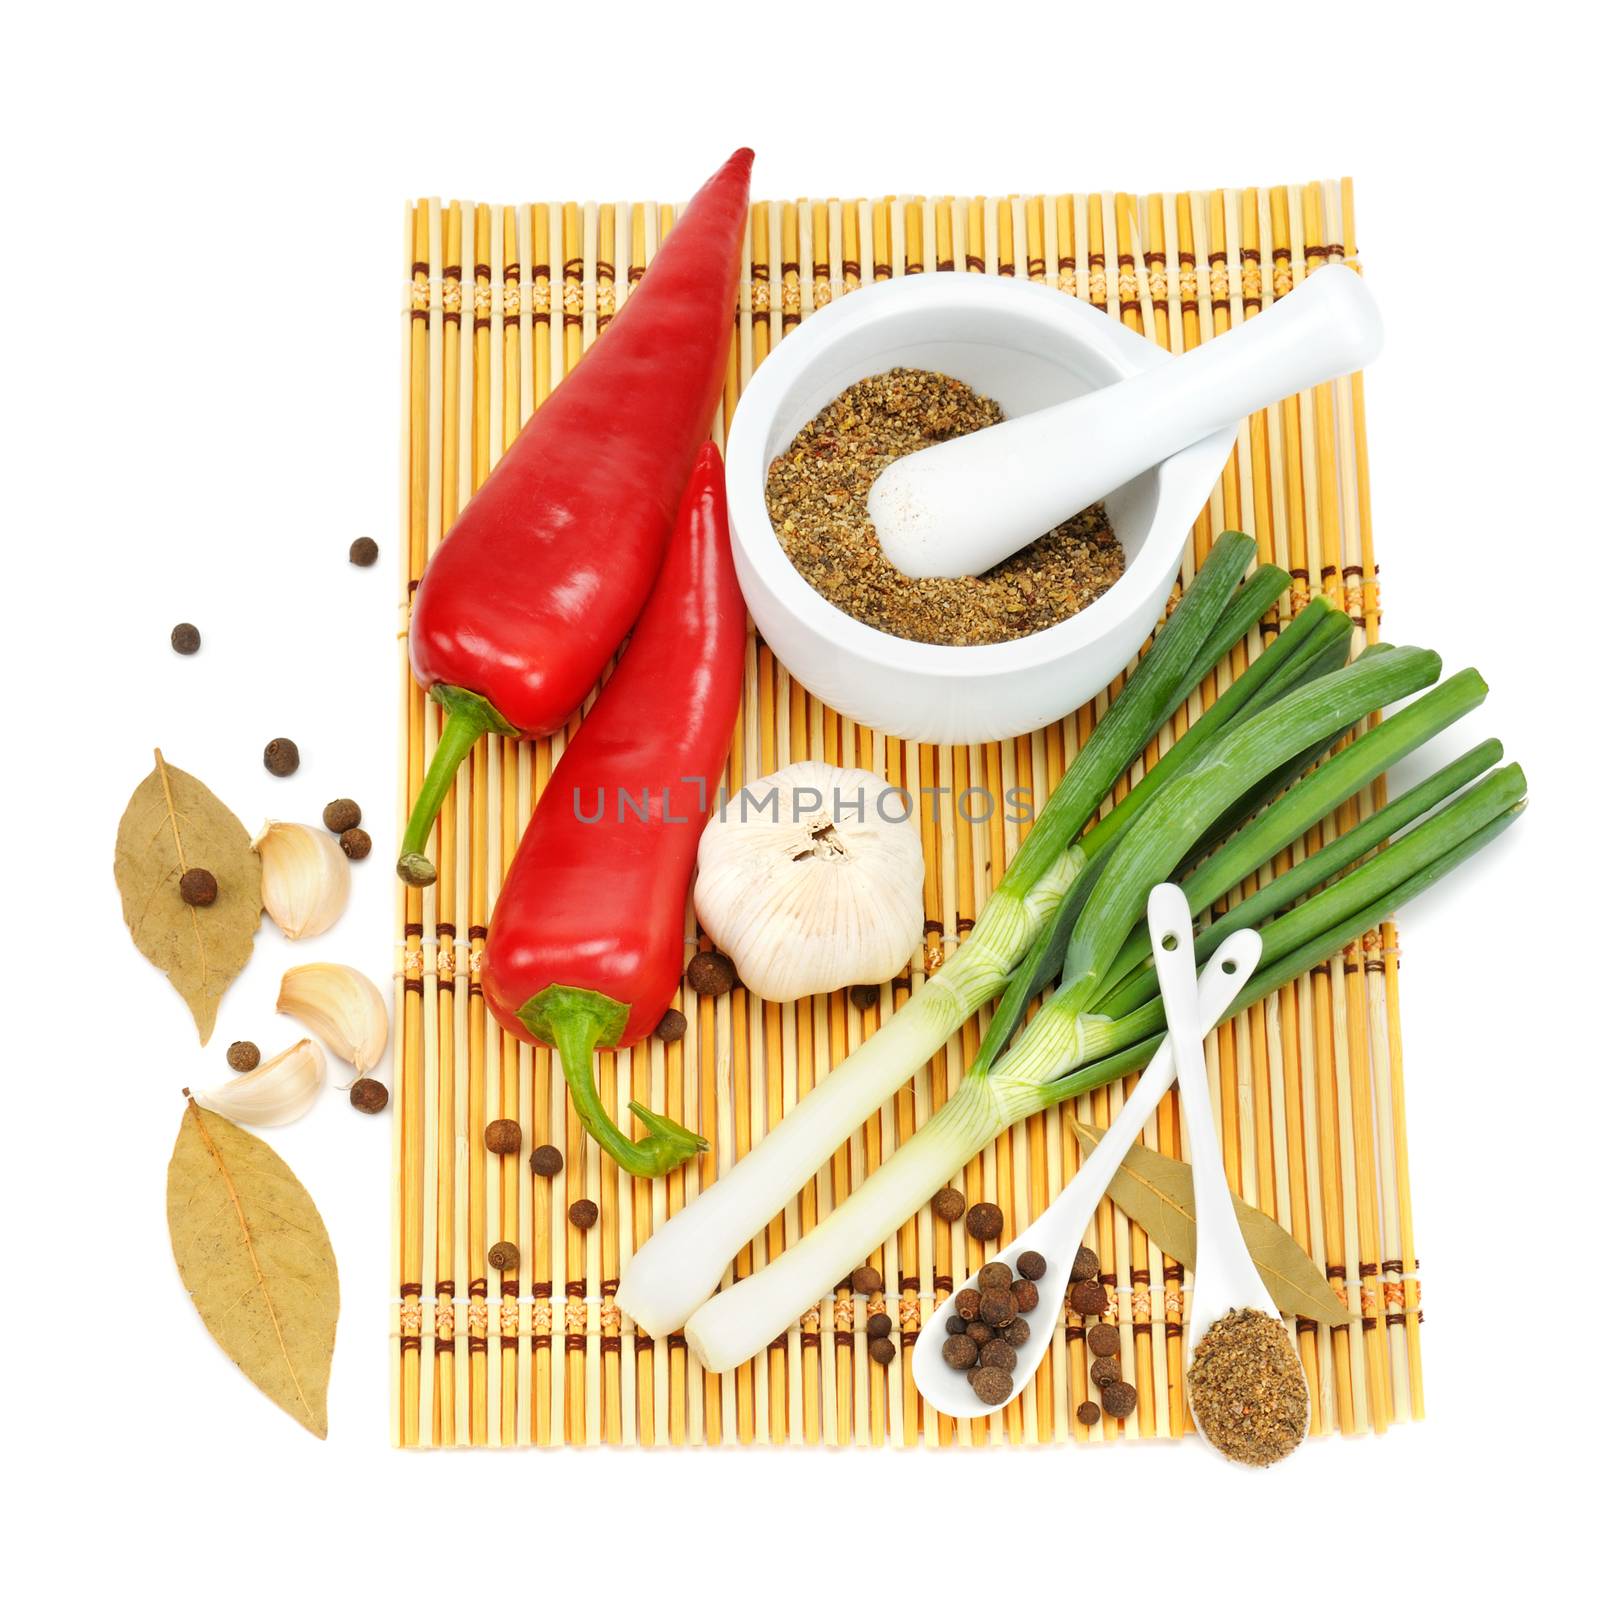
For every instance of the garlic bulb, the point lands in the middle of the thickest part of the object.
(305, 878)
(811, 879)
(342, 1007)
(276, 1092)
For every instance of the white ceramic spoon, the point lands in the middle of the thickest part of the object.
(960, 507)
(1059, 1231)
(1224, 1278)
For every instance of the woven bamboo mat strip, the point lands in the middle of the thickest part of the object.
(1307, 1088)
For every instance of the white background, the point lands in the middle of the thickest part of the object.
(201, 250)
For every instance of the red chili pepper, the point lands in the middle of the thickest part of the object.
(585, 946)
(530, 595)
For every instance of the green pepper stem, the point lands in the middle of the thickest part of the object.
(575, 1022)
(467, 716)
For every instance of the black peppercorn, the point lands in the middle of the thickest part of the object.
(966, 1304)
(281, 757)
(881, 1351)
(1102, 1339)
(1030, 1264)
(985, 1222)
(505, 1257)
(1088, 1413)
(1119, 1399)
(996, 1307)
(866, 1280)
(955, 1324)
(583, 1213)
(186, 638)
(991, 1385)
(1104, 1370)
(863, 996)
(363, 552)
(880, 1325)
(546, 1161)
(243, 1056)
(995, 1275)
(502, 1137)
(338, 815)
(367, 1094)
(1016, 1332)
(1085, 1265)
(960, 1352)
(1026, 1294)
(1088, 1299)
(356, 843)
(197, 887)
(711, 973)
(948, 1204)
(997, 1353)
(672, 1026)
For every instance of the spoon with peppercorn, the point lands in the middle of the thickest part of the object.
(1247, 1391)
(988, 1338)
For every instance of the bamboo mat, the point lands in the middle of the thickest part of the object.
(1307, 1087)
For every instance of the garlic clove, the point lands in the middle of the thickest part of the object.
(278, 1091)
(305, 878)
(342, 1007)
(810, 880)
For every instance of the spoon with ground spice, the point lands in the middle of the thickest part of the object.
(1052, 1241)
(1246, 1385)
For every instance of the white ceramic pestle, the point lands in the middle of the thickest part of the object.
(961, 507)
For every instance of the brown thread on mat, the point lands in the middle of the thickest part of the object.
(642, 1340)
(676, 1341)
(974, 263)
(610, 1344)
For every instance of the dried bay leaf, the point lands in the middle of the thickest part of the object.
(253, 1254)
(173, 822)
(1158, 1193)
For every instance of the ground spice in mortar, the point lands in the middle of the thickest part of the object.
(817, 498)
(1248, 1389)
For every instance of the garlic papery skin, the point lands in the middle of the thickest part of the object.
(811, 879)
(305, 877)
(342, 1007)
(278, 1091)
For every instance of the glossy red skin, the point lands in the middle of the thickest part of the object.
(547, 567)
(599, 905)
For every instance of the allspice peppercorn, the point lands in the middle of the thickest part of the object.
(338, 815)
(949, 1204)
(990, 1384)
(186, 638)
(1016, 1332)
(367, 1094)
(672, 1026)
(503, 1137)
(994, 1275)
(965, 1304)
(281, 757)
(711, 973)
(1031, 1265)
(998, 1353)
(583, 1213)
(244, 1055)
(880, 1325)
(955, 1325)
(1104, 1370)
(881, 1351)
(1026, 1294)
(1119, 1399)
(1085, 1265)
(356, 843)
(866, 1280)
(863, 996)
(960, 1352)
(1102, 1339)
(996, 1307)
(546, 1161)
(505, 1257)
(363, 552)
(1088, 1299)
(985, 1222)
(979, 1332)
(198, 887)
(1088, 1413)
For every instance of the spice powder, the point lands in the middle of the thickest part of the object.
(1248, 1389)
(817, 498)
